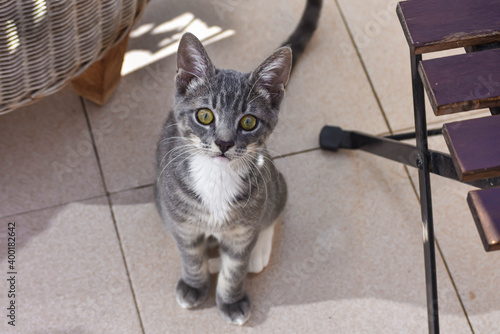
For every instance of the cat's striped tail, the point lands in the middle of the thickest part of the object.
(302, 34)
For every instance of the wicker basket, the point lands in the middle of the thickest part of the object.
(45, 43)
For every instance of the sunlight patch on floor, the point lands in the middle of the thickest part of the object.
(174, 29)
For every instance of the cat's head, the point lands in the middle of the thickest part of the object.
(224, 113)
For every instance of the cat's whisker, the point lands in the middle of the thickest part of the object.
(267, 168)
(255, 98)
(257, 156)
(196, 152)
(178, 148)
(264, 156)
(277, 154)
(250, 188)
(173, 150)
(249, 191)
(250, 175)
(250, 158)
(256, 180)
(204, 81)
(250, 169)
(166, 140)
(192, 149)
(262, 176)
(265, 185)
(171, 125)
(255, 83)
(172, 160)
(243, 167)
(246, 161)
(208, 83)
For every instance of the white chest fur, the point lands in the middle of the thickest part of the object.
(216, 184)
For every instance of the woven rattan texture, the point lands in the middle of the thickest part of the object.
(45, 43)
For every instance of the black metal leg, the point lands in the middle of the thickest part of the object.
(425, 196)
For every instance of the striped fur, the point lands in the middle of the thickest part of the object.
(232, 194)
(305, 29)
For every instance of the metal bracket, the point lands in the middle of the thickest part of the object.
(333, 138)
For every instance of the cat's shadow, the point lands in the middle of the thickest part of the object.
(313, 261)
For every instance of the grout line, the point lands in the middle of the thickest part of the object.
(454, 286)
(281, 156)
(94, 146)
(365, 70)
(75, 201)
(51, 206)
(412, 129)
(414, 187)
(130, 189)
(406, 168)
(108, 197)
(125, 263)
(439, 122)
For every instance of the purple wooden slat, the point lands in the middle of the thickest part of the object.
(433, 25)
(463, 82)
(475, 147)
(485, 207)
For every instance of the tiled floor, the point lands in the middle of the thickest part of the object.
(93, 256)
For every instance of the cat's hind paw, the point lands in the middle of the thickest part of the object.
(261, 253)
(189, 297)
(236, 313)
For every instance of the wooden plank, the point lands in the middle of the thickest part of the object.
(475, 147)
(431, 25)
(462, 82)
(485, 208)
(101, 79)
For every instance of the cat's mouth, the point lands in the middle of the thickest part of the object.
(221, 157)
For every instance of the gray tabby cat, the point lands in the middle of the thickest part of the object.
(216, 181)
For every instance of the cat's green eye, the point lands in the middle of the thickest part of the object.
(205, 116)
(248, 122)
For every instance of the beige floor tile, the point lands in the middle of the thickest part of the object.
(70, 272)
(380, 40)
(47, 156)
(326, 88)
(474, 271)
(347, 259)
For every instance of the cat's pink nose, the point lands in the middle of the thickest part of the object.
(224, 145)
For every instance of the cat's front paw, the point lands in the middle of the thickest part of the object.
(236, 313)
(189, 297)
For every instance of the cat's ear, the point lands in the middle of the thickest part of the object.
(273, 73)
(193, 64)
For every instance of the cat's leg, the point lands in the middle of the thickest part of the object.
(213, 262)
(192, 289)
(262, 251)
(277, 191)
(261, 254)
(231, 298)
